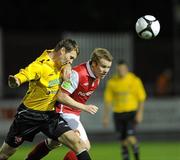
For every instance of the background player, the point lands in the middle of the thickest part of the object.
(85, 78)
(126, 94)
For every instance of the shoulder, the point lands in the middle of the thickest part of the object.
(44, 57)
(81, 69)
(113, 79)
(135, 77)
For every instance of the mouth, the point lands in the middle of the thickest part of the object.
(64, 63)
(103, 75)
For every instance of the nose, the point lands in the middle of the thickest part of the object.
(71, 61)
(106, 71)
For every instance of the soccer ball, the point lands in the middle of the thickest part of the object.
(147, 27)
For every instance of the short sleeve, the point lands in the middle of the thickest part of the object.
(71, 85)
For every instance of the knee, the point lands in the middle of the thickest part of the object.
(73, 141)
(132, 140)
(6, 151)
(88, 145)
(52, 144)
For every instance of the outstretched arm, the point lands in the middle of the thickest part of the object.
(31, 72)
(68, 86)
(65, 99)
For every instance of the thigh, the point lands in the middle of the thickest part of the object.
(24, 127)
(120, 125)
(75, 123)
(55, 127)
(73, 141)
(119, 122)
(131, 124)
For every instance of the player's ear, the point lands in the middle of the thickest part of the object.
(94, 64)
(63, 50)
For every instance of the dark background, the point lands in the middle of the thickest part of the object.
(24, 22)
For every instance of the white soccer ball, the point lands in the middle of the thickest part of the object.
(147, 27)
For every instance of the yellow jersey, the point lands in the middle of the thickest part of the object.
(124, 94)
(44, 81)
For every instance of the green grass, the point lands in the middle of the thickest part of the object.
(110, 151)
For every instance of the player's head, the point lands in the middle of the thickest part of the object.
(66, 51)
(122, 68)
(101, 61)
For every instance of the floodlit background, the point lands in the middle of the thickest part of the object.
(27, 27)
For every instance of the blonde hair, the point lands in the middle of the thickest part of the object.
(99, 53)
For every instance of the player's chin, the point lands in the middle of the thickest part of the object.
(102, 76)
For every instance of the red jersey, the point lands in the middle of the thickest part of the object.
(80, 87)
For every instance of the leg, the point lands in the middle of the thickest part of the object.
(75, 123)
(65, 135)
(6, 151)
(70, 155)
(74, 142)
(134, 143)
(124, 149)
(132, 139)
(42, 149)
(121, 129)
(69, 139)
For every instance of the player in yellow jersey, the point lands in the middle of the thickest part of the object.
(36, 113)
(126, 94)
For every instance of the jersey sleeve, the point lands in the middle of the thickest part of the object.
(71, 85)
(141, 93)
(31, 72)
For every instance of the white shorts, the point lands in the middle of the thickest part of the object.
(75, 123)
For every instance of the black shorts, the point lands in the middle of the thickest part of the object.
(125, 124)
(28, 123)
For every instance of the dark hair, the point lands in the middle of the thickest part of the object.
(121, 62)
(68, 44)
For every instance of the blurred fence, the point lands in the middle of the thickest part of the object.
(161, 116)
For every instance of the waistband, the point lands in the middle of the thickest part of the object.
(35, 111)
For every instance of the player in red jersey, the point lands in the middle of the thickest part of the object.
(84, 79)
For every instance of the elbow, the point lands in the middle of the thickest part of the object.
(61, 97)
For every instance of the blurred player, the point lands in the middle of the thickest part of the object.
(84, 79)
(37, 112)
(126, 94)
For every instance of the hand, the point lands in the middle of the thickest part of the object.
(92, 109)
(13, 82)
(66, 72)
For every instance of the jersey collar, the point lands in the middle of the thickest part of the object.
(90, 70)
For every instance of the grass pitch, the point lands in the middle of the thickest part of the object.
(111, 151)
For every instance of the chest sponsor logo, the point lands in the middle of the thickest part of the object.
(85, 94)
(53, 82)
(85, 84)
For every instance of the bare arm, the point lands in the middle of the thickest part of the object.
(67, 100)
(106, 116)
(66, 72)
(31, 72)
(139, 114)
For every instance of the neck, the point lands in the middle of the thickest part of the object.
(53, 58)
(51, 55)
(92, 69)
